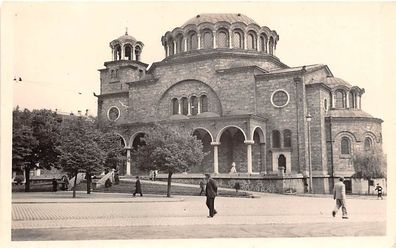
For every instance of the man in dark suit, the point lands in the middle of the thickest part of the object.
(138, 187)
(340, 196)
(211, 193)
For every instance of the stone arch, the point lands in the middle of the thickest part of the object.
(206, 138)
(371, 135)
(163, 105)
(260, 132)
(351, 135)
(134, 136)
(258, 149)
(232, 148)
(123, 139)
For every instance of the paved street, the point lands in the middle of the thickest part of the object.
(40, 216)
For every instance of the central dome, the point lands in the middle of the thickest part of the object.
(213, 18)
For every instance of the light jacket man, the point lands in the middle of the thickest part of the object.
(340, 196)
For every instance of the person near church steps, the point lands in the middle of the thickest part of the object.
(340, 196)
(138, 187)
(211, 193)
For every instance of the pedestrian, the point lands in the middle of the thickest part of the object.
(54, 185)
(202, 186)
(211, 193)
(340, 197)
(138, 187)
(155, 174)
(379, 191)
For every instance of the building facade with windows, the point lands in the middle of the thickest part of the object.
(221, 79)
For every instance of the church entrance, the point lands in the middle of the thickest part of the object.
(282, 162)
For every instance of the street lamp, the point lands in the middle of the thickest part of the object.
(309, 119)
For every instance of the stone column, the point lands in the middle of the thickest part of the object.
(167, 50)
(122, 52)
(174, 47)
(263, 158)
(249, 144)
(214, 39)
(133, 53)
(244, 41)
(128, 161)
(347, 100)
(258, 44)
(185, 44)
(180, 107)
(215, 157)
(332, 99)
(360, 101)
(113, 55)
(229, 38)
(199, 40)
(199, 105)
(189, 106)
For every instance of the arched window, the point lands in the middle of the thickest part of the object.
(179, 44)
(251, 42)
(184, 103)
(367, 144)
(138, 51)
(192, 43)
(237, 39)
(194, 105)
(207, 39)
(286, 138)
(271, 46)
(352, 100)
(128, 52)
(276, 143)
(170, 45)
(345, 146)
(282, 162)
(325, 104)
(339, 99)
(222, 39)
(117, 52)
(263, 43)
(175, 106)
(204, 103)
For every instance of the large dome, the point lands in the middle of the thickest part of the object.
(213, 18)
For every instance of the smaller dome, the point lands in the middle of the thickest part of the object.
(334, 82)
(126, 37)
(213, 18)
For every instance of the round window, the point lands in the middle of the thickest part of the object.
(280, 98)
(113, 114)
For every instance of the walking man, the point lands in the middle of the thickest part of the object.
(138, 187)
(340, 197)
(211, 193)
(379, 191)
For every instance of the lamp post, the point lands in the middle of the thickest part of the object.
(309, 119)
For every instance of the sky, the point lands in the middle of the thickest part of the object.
(57, 48)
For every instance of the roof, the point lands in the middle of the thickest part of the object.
(348, 113)
(333, 82)
(213, 18)
(298, 68)
(125, 37)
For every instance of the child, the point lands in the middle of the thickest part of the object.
(379, 190)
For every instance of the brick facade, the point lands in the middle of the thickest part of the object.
(241, 87)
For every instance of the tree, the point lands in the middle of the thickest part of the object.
(80, 148)
(369, 164)
(172, 150)
(35, 135)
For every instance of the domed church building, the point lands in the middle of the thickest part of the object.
(283, 127)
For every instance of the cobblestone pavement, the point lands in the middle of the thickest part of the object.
(288, 216)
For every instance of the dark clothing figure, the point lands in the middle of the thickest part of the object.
(379, 191)
(54, 185)
(138, 187)
(211, 193)
(340, 196)
(202, 186)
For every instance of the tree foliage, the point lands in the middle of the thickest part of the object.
(370, 164)
(170, 150)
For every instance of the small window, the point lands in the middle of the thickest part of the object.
(251, 42)
(193, 41)
(271, 46)
(286, 138)
(113, 114)
(237, 40)
(222, 39)
(276, 139)
(194, 105)
(263, 43)
(345, 146)
(207, 40)
(128, 52)
(367, 144)
(325, 104)
(339, 99)
(204, 103)
(175, 106)
(184, 106)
